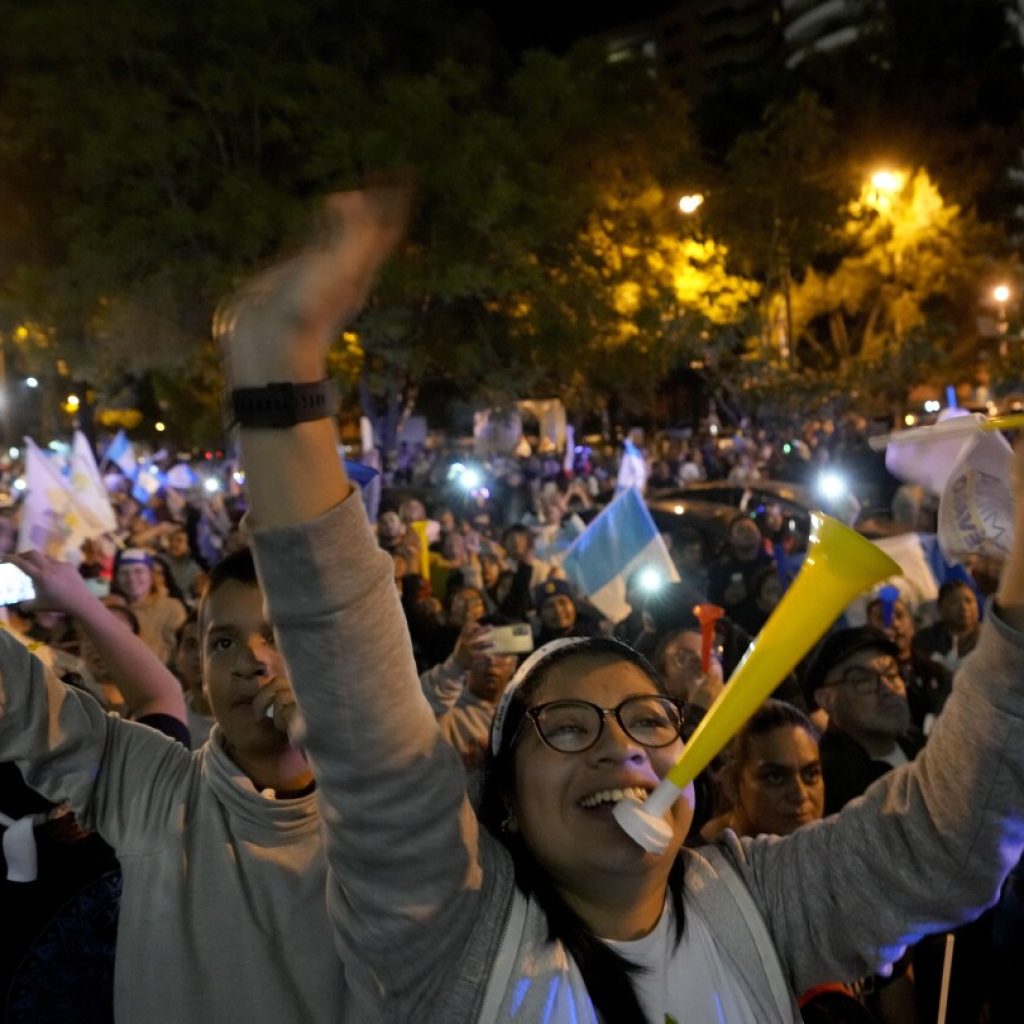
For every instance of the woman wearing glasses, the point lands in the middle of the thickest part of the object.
(542, 909)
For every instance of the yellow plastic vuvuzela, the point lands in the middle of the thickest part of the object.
(840, 564)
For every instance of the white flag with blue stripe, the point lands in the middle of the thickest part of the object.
(619, 542)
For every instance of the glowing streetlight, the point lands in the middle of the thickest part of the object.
(887, 181)
(1001, 293)
(31, 382)
(691, 203)
(159, 427)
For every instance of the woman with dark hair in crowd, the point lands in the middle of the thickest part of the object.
(543, 908)
(772, 777)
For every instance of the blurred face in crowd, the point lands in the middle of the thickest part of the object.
(680, 665)
(563, 801)
(135, 579)
(159, 577)
(466, 606)
(490, 571)
(177, 544)
(558, 613)
(517, 543)
(745, 538)
(901, 632)
(489, 675)
(188, 657)
(447, 520)
(778, 786)
(864, 695)
(769, 594)
(239, 658)
(958, 610)
(390, 525)
(413, 511)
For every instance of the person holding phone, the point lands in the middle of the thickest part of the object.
(542, 908)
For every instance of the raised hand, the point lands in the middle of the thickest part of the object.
(59, 586)
(474, 641)
(278, 326)
(276, 702)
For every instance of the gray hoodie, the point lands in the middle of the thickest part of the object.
(421, 899)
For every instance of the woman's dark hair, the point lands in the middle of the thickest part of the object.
(173, 590)
(606, 973)
(772, 715)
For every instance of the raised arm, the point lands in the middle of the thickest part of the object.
(279, 328)
(402, 839)
(149, 687)
(927, 846)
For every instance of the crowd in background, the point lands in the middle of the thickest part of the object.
(479, 571)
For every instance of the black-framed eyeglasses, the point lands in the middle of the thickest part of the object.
(866, 681)
(572, 726)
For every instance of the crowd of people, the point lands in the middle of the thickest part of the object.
(313, 768)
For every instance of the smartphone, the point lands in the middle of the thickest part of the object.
(514, 639)
(15, 586)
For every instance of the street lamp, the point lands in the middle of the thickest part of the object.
(888, 182)
(689, 204)
(31, 382)
(885, 184)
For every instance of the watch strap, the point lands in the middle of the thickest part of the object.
(281, 405)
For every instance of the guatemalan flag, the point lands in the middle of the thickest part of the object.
(121, 453)
(620, 541)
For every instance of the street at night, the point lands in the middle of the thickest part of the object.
(512, 512)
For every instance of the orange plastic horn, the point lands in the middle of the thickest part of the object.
(707, 616)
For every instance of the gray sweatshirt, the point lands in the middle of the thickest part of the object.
(421, 899)
(222, 908)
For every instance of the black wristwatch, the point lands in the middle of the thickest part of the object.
(278, 406)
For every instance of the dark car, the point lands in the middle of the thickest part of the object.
(710, 506)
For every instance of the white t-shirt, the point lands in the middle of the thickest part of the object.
(691, 983)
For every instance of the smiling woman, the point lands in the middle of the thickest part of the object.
(560, 764)
(548, 912)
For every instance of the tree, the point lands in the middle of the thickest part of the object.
(897, 304)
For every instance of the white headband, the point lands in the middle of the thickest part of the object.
(522, 674)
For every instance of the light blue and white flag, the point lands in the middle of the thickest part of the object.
(619, 542)
(121, 453)
(148, 480)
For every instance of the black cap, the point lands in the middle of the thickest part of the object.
(839, 646)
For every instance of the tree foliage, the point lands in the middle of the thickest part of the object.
(899, 297)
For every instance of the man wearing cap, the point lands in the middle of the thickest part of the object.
(557, 610)
(855, 678)
(160, 617)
